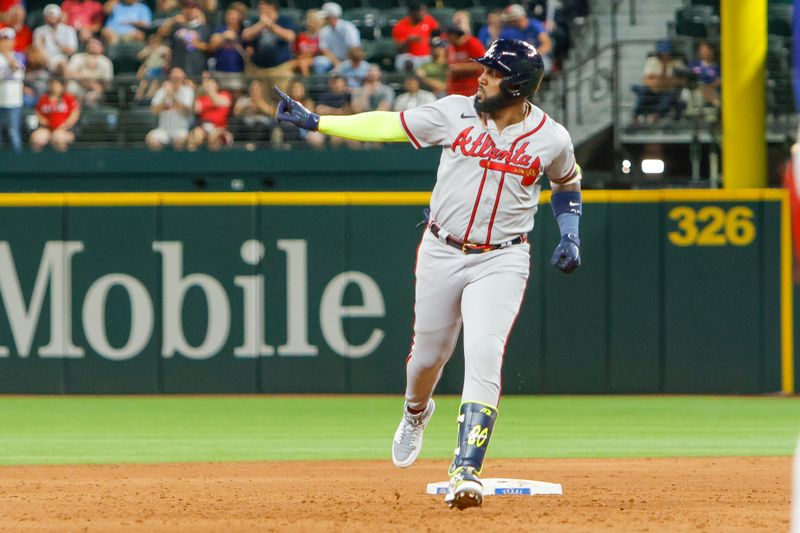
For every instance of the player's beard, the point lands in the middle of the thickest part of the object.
(491, 104)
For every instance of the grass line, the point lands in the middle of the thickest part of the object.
(65, 430)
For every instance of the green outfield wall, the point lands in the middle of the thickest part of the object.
(681, 291)
(391, 169)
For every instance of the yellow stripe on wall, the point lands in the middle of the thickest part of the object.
(112, 199)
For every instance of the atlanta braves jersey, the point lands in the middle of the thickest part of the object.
(488, 182)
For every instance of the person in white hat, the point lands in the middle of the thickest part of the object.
(335, 39)
(12, 73)
(57, 41)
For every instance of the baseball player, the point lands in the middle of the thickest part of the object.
(474, 258)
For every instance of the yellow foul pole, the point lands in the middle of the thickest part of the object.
(744, 53)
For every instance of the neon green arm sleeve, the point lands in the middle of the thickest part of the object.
(373, 126)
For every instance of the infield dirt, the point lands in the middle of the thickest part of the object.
(683, 494)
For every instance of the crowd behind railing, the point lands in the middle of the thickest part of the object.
(681, 77)
(103, 73)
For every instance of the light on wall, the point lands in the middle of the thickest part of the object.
(652, 166)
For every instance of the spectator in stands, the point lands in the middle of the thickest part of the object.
(56, 41)
(165, 10)
(173, 105)
(490, 31)
(530, 30)
(213, 107)
(354, 69)
(433, 75)
(12, 75)
(335, 39)
(15, 19)
(253, 116)
(413, 96)
(188, 36)
(155, 59)
(462, 20)
(412, 34)
(374, 95)
(209, 9)
(306, 46)
(558, 19)
(5, 5)
(660, 93)
(335, 101)
(36, 77)
(58, 112)
(271, 38)
(90, 72)
(227, 48)
(463, 72)
(127, 21)
(86, 16)
(706, 69)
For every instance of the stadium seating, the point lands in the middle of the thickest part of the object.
(123, 55)
(780, 97)
(98, 125)
(696, 21)
(478, 15)
(381, 52)
(779, 20)
(389, 18)
(136, 122)
(443, 15)
(296, 15)
(714, 4)
(366, 20)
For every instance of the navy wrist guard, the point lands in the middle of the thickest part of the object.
(566, 202)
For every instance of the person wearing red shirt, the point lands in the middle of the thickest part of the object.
(15, 19)
(412, 34)
(58, 112)
(463, 72)
(213, 108)
(86, 16)
(306, 46)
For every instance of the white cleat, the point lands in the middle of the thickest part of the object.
(408, 437)
(466, 490)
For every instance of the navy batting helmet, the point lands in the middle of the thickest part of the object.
(519, 62)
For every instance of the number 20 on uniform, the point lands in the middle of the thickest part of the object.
(712, 225)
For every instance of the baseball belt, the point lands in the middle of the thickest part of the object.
(468, 247)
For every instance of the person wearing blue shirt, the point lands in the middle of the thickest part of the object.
(228, 49)
(490, 31)
(354, 69)
(270, 40)
(520, 27)
(708, 73)
(127, 21)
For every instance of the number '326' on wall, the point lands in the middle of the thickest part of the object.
(712, 226)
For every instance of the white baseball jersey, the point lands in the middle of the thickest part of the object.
(488, 182)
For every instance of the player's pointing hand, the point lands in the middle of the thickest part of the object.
(293, 112)
(567, 256)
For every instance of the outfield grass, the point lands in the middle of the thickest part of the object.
(50, 430)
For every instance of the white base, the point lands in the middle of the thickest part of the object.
(494, 486)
